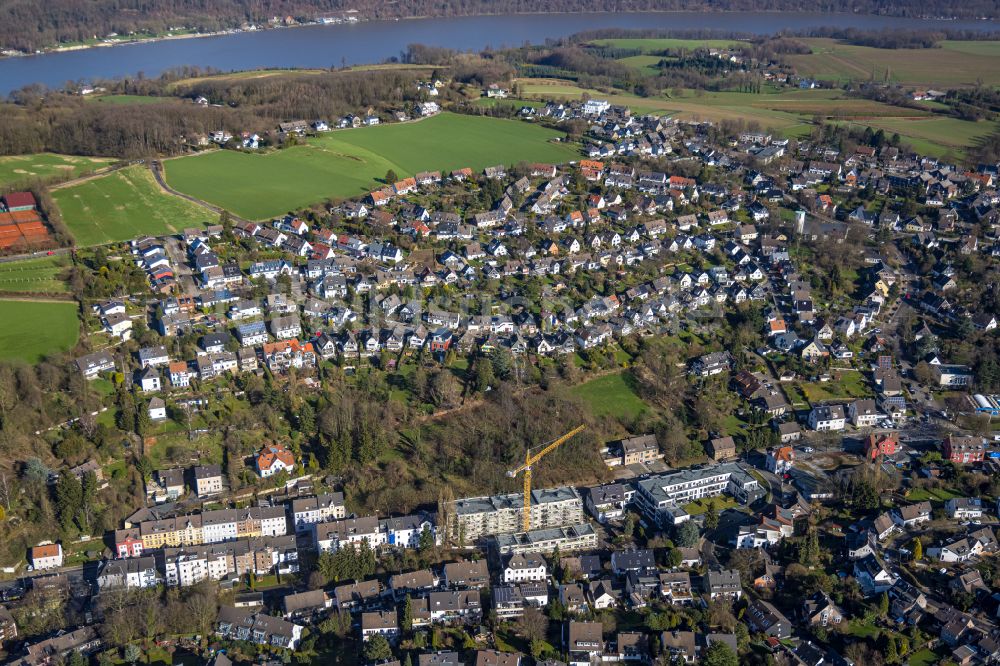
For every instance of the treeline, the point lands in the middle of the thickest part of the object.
(888, 38)
(28, 25)
(895, 38)
(38, 120)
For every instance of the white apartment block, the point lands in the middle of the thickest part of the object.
(827, 417)
(307, 511)
(660, 497)
(522, 568)
(333, 536)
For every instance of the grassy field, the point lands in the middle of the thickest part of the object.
(122, 205)
(16, 168)
(935, 136)
(954, 64)
(646, 64)
(239, 76)
(349, 163)
(33, 330)
(611, 395)
(653, 45)
(34, 275)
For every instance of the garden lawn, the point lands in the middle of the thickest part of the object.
(32, 330)
(850, 385)
(34, 275)
(612, 395)
(18, 168)
(925, 657)
(721, 502)
(349, 163)
(930, 494)
(123, 205)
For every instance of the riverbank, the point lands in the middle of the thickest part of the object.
(131, 41)
(325, 46)
(127, 41)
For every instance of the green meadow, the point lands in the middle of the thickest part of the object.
(19, 168)
(41, 275)
(123, 205)
(611, 395)
(33, 330)
(349, 163)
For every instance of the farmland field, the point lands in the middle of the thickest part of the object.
(34, 275)
(349, 163)
(16, 168)
(33, 330)
(653, 44)
(935, 136)
(646, 64)
(954, 64)
(122, 205)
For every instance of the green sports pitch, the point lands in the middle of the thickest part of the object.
(33, 330)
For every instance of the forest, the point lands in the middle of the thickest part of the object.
(38, 120)
(28, 25)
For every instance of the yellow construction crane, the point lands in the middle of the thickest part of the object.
(530, 460)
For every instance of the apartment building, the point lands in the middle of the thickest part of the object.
(213, 527)
(473, 518)
(568, 539)
(522, 568)
(189, 565)
(207, 480)
(307, 511)
(333, 536)
(134, 574)
(660, 497)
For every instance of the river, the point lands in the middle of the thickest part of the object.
(375, 41)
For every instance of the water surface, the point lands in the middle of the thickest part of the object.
(375, 41)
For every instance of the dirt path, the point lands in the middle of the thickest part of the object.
(40, 299)
(100, 173)
(157, 170)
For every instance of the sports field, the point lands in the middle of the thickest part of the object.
(122, 205)
(349, 163)
(34, 275)
(33, 330)
(17, 168)
(953, 64)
